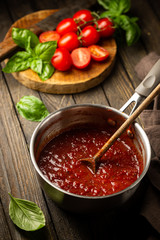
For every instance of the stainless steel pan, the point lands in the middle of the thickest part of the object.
(69, 117)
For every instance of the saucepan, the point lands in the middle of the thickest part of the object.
(76, 115)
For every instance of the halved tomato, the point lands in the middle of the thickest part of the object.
(81, 57)
(49, 36)
(98, 53)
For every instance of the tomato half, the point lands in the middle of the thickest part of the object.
(83, 16)
(106, 27)
(98, 53)
(69, 41)
(66, 25)
(61, 59)
(49, 36)
(89, 36)
(81, 57)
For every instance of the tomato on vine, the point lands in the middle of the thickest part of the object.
(89, 36)
(106, 27)
(85, 31)
(66, 25)
(69, 41)
(83, 16)
(61, 59)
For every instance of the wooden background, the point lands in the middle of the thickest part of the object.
(16, 171)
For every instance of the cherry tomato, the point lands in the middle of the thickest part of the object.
(61, 59)
(98, 53)
(89, 36)
(81, 57)
(69, 41)
(49, 36)
(106, 27)
(83, 16)
(66, 25)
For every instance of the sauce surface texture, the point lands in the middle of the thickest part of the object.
(121, 165)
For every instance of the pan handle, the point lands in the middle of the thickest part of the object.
(144, 88)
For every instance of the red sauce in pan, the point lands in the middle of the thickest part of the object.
(121, 165)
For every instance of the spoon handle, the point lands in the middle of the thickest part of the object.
(126, 124)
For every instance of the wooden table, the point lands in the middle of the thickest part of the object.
(16, 171)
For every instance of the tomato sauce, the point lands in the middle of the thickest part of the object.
(119, 167)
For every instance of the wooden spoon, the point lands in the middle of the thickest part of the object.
(93, 161)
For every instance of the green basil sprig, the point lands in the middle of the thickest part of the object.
(26, 214)
(116, 9)
(32, 108)
(37, 55)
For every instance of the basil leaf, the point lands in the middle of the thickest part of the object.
(119, 6)
(104, 3)
(124, 22)
(47, 71)
(28, 46)
(26, 214)
(45, 50)
(18, 62)
(132, 34)
(20, 37)
(32, 108)
(134, 19)
(114, 7)
(132, 29)
(36, 65)
(107, 14)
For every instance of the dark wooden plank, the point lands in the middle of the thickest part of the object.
(129, 57)
(3, 23)
(93, 96)
(16, 170)
(49, 4)
(54, 102)
(68, 225)
(17, 91)
(18, 9)
(4, 232)
(118, 89)
(16, 178)
(155, 5)
(150, 25)
(41, 5)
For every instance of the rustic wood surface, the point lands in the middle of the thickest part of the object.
(16, 171)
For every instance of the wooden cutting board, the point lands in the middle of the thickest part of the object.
(72, 81)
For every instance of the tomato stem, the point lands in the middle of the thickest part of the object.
(95, 15)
